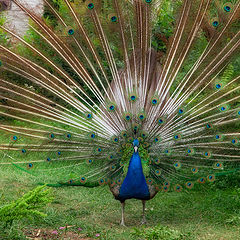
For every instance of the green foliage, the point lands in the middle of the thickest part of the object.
(159, 232)
(3, 35)
(26, 207)
(164, 25)
(227, 181)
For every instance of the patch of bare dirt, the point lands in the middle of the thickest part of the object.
(49, 234)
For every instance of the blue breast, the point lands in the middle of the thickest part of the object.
(134, 185)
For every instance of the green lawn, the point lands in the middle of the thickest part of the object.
(206, 214)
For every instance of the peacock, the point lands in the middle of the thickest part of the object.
(139, 95)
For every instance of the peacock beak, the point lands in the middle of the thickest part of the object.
(135, 148)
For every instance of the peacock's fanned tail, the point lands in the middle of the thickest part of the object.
(90, 77)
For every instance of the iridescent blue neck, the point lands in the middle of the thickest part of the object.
(134, 185)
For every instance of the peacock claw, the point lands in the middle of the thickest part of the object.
(143, 222)
(122, 224)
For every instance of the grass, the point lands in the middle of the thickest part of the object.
(206, 214)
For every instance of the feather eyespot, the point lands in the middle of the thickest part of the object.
(165, 189)
(224, 108)
(158, 172)
(227, 8)
(70, 181)
(157, 161)
(124, 134)
(207, 154)
(83, 179)
(30, 165)
(215, 23)
(218, 165)
(111, 108)
(119, 181)
(178, 188)
(141, 117)
(90, 6)
(14, 138)
(177, 165)
(189, 185)
(99, 150)
(209, 126)
(180, 111)
(211, 178)
(133, 98)
(167, 151)
(219, 137)
(201, 180)
(51, 135)
(88, 116)
(234, 141)
(128, 118)
(89, 161)
(101, 181)
(70, 31)
(161, 120)
(177, 137)
(194, 170)
(113, 19)
(154, 101)
(190, 151)
(150, 181)
(144, 134)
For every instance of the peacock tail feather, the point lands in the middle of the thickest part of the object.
(90, 77)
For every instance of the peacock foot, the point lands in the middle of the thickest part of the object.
(122, 224)
(143, 222)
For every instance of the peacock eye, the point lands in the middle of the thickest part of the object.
(111, 107)
(133, 98)
(90, 6)
(180, 111)
(70, 32)
(215, 23)
(14, 138)
(114, 19)
(30, 165)
(227, 8)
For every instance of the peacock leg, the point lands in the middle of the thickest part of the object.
(122, 221)
(144, 218)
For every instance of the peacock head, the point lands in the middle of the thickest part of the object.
(135, 144)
